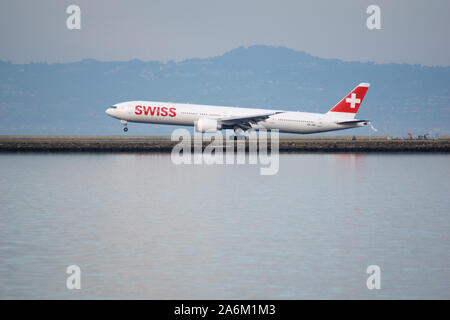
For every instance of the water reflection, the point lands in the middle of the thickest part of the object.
(142, 227)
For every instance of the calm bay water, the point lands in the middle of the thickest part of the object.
(139, 226)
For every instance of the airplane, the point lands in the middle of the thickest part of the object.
(206, 118)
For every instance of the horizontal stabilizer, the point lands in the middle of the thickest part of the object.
(352, 121)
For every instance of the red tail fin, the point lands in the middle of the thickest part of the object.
(349, 105)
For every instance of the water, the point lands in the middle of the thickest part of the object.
(140, 227)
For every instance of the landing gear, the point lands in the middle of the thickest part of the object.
(125, 128)
(239, 134)
(238, 131)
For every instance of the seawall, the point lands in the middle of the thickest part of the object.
(164, 144)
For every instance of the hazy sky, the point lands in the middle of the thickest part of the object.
(413, 31)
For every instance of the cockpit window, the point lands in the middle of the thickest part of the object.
(113, 107)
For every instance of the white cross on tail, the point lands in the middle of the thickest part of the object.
(353, 100)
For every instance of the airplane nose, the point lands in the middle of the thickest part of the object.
(110, 111)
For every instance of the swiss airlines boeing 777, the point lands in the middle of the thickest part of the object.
(212, 118)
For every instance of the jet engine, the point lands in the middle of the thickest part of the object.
(207, 125)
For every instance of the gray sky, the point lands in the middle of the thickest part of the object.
(413, 31)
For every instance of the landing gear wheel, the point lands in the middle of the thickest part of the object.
(124, 122)
(238, 134)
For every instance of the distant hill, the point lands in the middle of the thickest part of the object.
(70, 98)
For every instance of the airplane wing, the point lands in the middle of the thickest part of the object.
(246, 121)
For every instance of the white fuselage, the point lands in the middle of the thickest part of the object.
(189, 114)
